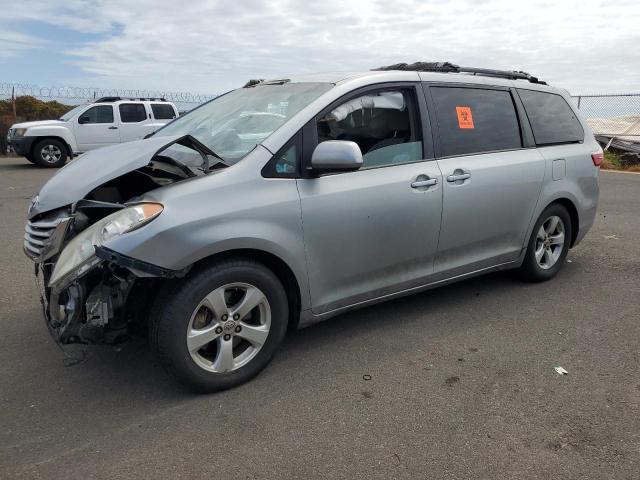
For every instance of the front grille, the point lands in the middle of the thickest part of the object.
(43, 238)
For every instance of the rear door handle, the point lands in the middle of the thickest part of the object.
(424, 183)
(113, 128)
(457, 177)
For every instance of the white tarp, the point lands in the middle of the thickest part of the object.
(623, 128)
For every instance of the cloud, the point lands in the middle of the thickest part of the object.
(14, 42)
(211, 46)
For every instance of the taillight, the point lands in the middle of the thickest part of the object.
(597, 158)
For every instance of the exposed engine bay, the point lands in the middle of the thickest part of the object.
(107, 296)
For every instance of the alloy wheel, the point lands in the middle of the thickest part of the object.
(51, 153)
(229, 327)
(549, 242)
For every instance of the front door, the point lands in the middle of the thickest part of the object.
(491, 183)
(372, 232)
(96, 127)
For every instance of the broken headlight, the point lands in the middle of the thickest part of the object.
(79, 254)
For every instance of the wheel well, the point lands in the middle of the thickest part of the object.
(60, 139)
(277, 266)
(573, 214)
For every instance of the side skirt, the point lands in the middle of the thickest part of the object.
(307, 317)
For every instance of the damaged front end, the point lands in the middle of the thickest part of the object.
(90, 293)
(105, 303)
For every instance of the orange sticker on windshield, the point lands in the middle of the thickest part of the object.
(465, 119)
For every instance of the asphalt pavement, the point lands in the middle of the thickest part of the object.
(454, 383)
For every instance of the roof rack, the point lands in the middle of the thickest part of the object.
(446, 67)
(117, 99)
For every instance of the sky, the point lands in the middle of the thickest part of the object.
(210, 46)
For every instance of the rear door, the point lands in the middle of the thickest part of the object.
(374, 231)
(135, 121)
(492, 176)
(96, 127)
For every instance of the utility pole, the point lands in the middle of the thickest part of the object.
(13, 102)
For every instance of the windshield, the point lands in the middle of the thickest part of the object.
(233, 124)
(71, 113)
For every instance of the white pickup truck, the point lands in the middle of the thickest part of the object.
(107, 121)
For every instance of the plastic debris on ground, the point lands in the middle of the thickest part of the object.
(560, 370)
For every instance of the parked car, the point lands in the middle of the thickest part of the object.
(367, 187)
(107, 121)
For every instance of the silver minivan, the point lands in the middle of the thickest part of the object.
(286, 202)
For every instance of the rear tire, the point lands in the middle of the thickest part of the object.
(50, 153)
(221, 325)
(548, 245)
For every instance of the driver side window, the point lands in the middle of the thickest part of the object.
(97, 114)
(381, 123)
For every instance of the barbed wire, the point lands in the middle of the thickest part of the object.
(91, 93)
(597, 107)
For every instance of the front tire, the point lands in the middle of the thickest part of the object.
(221, 325)
(548, 245)
(50, 153)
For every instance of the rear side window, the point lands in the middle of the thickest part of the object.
(132, 112)
(162, 111)
(97, 114)
(552, 119)
(474, 120)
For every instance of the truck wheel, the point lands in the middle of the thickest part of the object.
(50, 153)
(221, 325)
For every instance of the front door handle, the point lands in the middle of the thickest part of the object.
(113, 128)
(457, 177)
(424, 183)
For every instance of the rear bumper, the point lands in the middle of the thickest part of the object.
(22, 145)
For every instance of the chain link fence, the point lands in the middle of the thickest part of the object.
(614, 116)
(184, 101)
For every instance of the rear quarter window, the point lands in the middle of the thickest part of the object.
(475, 120)
(552, 119)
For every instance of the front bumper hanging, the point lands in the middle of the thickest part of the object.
(92, 308)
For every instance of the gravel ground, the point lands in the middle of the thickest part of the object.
(461, 382)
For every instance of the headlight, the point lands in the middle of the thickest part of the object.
(78, 256)
(19, 132)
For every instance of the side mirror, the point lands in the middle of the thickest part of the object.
(336, 155)
(83, 119)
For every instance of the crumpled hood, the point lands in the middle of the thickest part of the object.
(94, 168)
(38, 123)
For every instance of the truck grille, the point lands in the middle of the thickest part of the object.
(43, 238)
